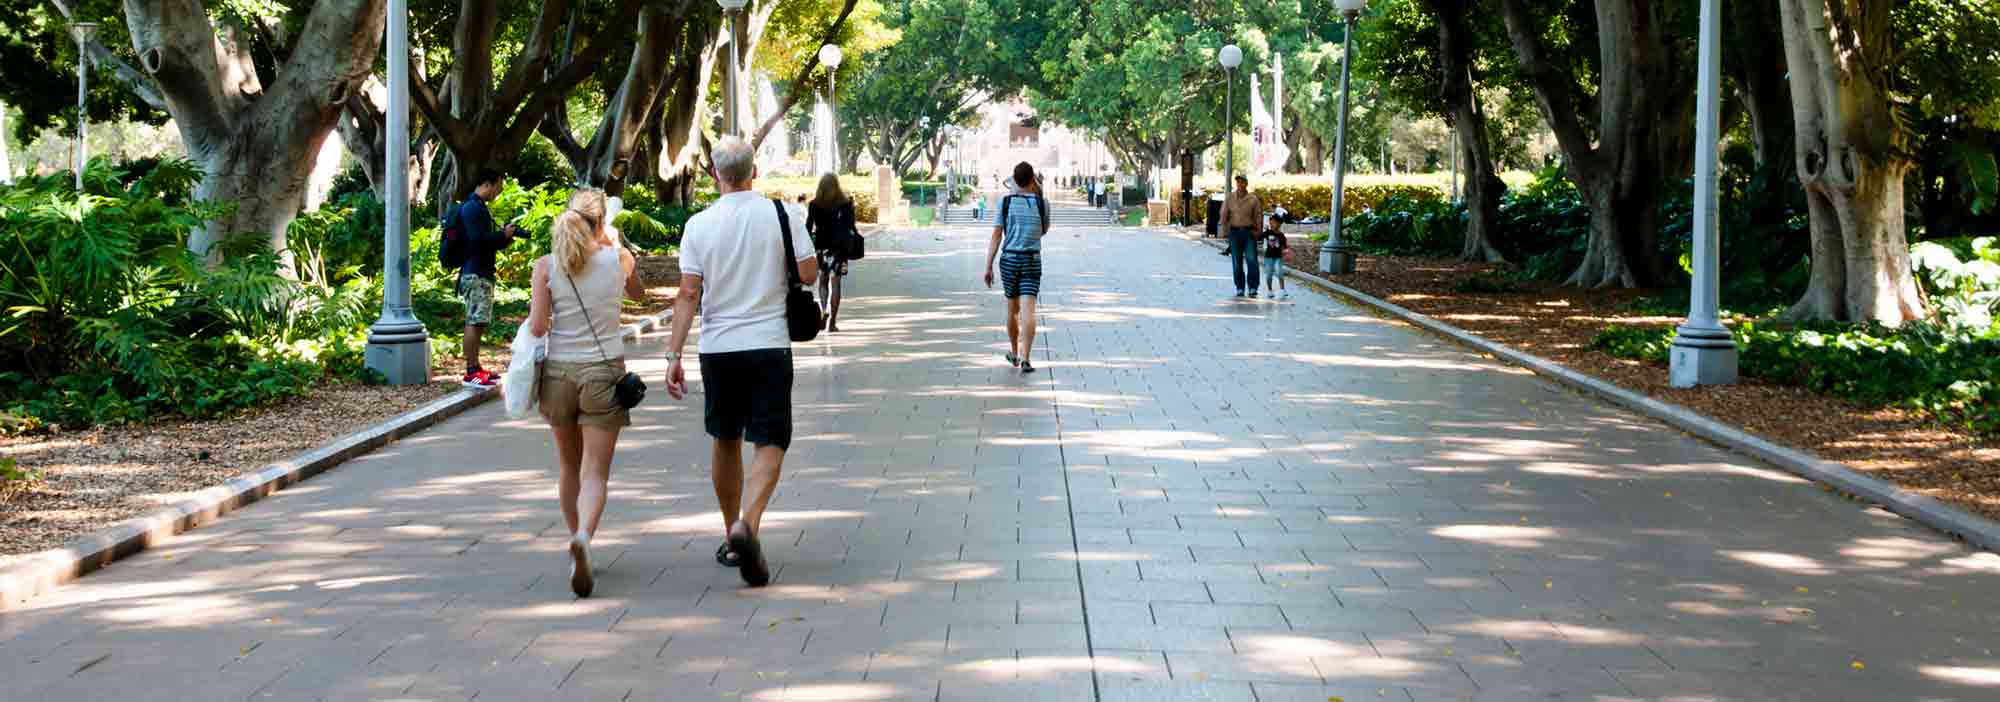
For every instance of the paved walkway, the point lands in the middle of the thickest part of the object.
(1196, 498)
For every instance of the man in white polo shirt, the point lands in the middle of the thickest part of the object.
(733, 271)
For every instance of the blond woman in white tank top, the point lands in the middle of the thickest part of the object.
(578, 290)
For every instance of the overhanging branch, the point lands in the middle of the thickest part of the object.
(799, 85)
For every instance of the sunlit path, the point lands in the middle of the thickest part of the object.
(1196, 498)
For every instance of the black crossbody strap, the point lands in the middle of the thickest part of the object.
(585, 309)
(791, 255)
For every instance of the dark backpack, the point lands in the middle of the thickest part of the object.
(1041, 207)
(451, 240)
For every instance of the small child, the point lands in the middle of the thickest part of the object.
(1275, 246)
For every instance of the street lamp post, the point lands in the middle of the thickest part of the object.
(1704, 353)
(1335, 256)
(831, 56)
(1231, 57)
(399, 347)
(731, 115)
(83, 31)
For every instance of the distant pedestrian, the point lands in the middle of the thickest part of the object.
(733, 271)
(1240, 214)
(477, 276)
(577, 291)
(830, 221)
(1017, 242)
(1275, 246)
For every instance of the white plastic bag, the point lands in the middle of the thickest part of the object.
(518, 384)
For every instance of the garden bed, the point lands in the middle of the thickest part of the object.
(94, 478)
(1559, 323)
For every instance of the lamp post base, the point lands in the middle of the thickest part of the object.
(1702, 356)
(402, 354)
(1336, 260)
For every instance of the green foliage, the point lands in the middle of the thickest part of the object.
(533, 209)
(1967, 290)
(109, 319)
(540, 165)
(13, 475)
(1487, 282)
(38, 60)
(1950, 373)
(1407, 226)
(1636, 342)
(1546, 226)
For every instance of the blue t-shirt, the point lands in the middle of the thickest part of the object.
(1021, 219)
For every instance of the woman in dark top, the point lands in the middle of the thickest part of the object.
(830, 220)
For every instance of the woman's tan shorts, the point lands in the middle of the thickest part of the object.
(582, 393)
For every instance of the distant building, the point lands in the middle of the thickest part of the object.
(1010, 132)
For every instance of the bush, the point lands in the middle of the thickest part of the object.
(1950, 373)
(13, 475)
(1545, 226)
(1315, 199)
(540, 165)
(860, 189)
(1408, 227)
(1962, 277)
(112, 320)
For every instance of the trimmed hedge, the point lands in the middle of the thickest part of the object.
(860, 189)
(1316, 199)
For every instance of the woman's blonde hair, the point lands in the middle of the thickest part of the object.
(577, 229)
(829, 193)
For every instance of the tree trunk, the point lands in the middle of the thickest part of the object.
(255, 144)
(1850, 158)
(680, 142)
(483, 125)
(608, 157)
(362, 133)
(1295, 136)
(6, 166)
(1618, 166)
(1483, 191)
(1315, 153)
(1483, 186)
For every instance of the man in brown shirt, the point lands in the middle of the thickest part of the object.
(1241, 212)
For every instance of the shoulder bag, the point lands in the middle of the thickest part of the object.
(630, 390)
(802, 317)
(857, 245)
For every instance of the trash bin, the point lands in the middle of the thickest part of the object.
(1214, 216)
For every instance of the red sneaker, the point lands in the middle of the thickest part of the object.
(480, 379)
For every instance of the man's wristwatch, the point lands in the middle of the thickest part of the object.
(673, 356)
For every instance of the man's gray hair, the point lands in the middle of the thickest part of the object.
(735, 161)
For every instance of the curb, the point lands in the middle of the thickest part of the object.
(43, 572)
(1973, 529)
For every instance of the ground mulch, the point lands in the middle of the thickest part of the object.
(96, 477)
(1558, 323)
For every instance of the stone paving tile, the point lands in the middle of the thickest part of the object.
(1198, 498)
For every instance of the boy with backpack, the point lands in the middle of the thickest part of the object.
(471, 244)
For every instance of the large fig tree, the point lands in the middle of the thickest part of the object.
(254, 133)
(1623, 137)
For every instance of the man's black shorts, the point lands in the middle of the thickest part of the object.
(748, 396)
